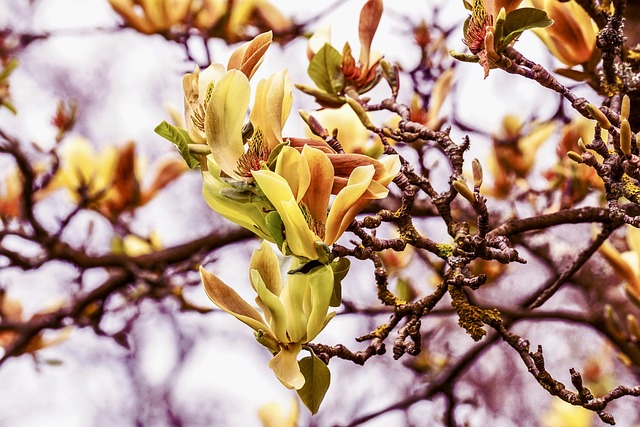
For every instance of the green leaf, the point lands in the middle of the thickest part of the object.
(325, 70)
(340, 269)
(275, 226)
(323, 98)
(317, 378)
(179, 138)
(523, 19)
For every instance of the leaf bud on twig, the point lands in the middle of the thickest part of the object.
(599, 116)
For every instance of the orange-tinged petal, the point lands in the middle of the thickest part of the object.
(318, 194)
(224, 119)
(248, 57)
(228, 300)
(369, 19)
(341, 214)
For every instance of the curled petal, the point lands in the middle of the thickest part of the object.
(317, 196)
(224, 119)
(248, 57)
(285, 366)
(342, 211)
(369, 20)
(265, 261)
(294, 168)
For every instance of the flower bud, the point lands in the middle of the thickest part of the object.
(599, 116)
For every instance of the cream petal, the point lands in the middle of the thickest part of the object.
(265, 261)
(294, 168)
(321, 288)
(293, 295)
(285, 366)
(224, 119)
(274, 97)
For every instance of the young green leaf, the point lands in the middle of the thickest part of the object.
(523, 19)
(179, 138)
(317, 378)
(325, 70)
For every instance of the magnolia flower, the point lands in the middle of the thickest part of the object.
(627, 264)
(110, 181)
(493, 26)
(576, 180)
(224, 121)
(208, 14)
(152, 16)
(572, 37)
(271, 415)
(294, 313)
(514, 151)
(300, 190)
(198, 86)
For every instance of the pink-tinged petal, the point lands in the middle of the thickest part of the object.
(285, 366)
(342, 213)
(369, 19)
(224, 118)
(228, 300)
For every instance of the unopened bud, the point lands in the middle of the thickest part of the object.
(464, 190)
(625, 137)
(575, 157)
(361, 113)
(476, 167)
(599, 116)
(625, 108)
(581, 145)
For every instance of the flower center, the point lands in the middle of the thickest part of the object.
(252, 159)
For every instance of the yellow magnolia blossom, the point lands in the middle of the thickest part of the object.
(208, 14)
(572, 37)
(198, 86)
(10, 195)
(109, 181)
(225, 115)
(484, 14)
(514, 151)
(11, 312)
(300, 190)
(271, 415)
(152, 16)
(626, 264)
(294, 313)
(562, 414)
